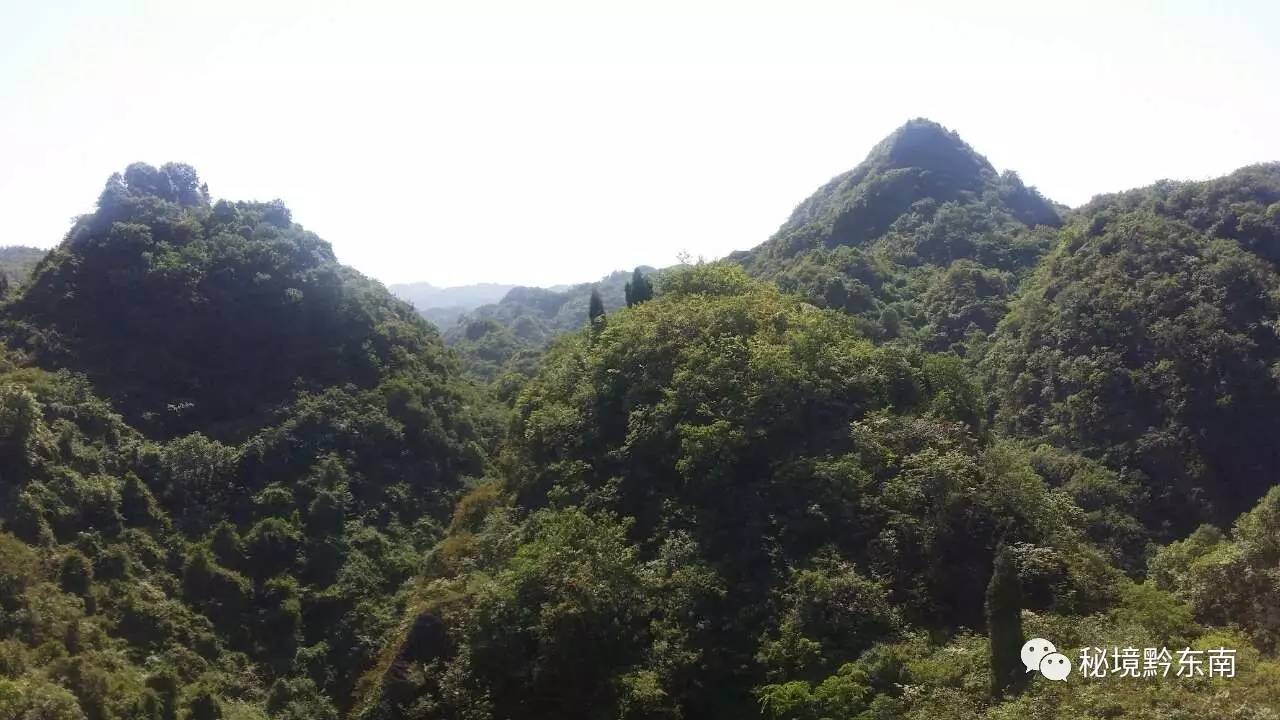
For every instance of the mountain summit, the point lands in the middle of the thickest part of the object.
(926, 211)
(193, 315)
(927, 145)
(918, 160)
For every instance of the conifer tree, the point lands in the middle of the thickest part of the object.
(639, 289)
(595, 308)
(165, 687)
(205, 706)
(1004, 625)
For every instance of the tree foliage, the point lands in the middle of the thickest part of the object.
(639, 289)
(595, 306)
(776, 495)
(1004, 625)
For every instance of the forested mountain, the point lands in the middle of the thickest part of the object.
(1149, 339)
(923, 240)
(843, 475)
(197, 316)
(152, 573)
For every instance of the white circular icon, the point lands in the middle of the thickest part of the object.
(1034, 650)
(1055, 666)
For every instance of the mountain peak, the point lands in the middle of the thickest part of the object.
(919, 161)
(927, 145)
(192, 317)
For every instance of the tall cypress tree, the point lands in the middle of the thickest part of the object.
(595, 309)
(639, 289)
(205, 706)
(1004, 625)
(165, 687)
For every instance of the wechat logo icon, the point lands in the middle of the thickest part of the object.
(1040, 654)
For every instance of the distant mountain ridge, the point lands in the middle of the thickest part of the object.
(527, 318)
(920, 160)
(17, 262)
(443, 306)
(424, 295)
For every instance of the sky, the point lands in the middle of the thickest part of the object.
(552, 142)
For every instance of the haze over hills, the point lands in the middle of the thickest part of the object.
(425, 295)
(841, 475)
(18, 261)
(444, 305)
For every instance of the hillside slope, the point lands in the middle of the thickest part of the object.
(1150, 339)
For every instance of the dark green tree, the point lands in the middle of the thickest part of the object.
(165, 686)
(76, 574)
(137, 504)
(1004, 625)
(205, 706)
(891, 321)
(639, 290)
(595, 307)
(73, 638)
(147, 707)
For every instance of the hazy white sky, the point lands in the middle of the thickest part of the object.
(548, 142)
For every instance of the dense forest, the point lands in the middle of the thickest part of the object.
(845, 474)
